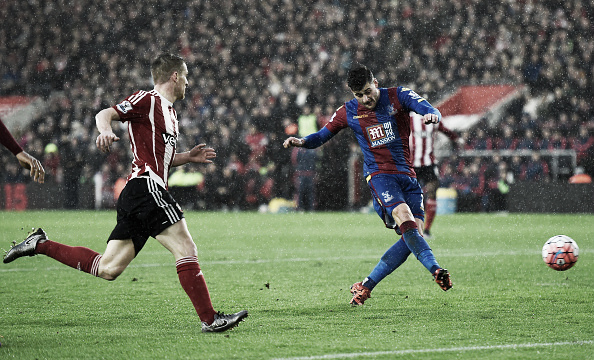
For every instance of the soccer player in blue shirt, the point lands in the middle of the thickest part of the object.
(380, 119)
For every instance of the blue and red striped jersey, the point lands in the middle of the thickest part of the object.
(382, 133)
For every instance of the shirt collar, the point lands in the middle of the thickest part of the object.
(163, 98)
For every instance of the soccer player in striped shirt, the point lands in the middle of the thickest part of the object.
(380, 119)
(145, 208)
(422, 141)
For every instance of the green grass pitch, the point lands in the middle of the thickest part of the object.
(292, 272)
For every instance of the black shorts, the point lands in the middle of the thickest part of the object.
(427, 174)
(144, 209)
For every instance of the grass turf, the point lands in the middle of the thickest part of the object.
(293, 273)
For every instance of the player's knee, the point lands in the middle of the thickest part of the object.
(109, 274)
(189, 248)
(402, 213)
(183, 247)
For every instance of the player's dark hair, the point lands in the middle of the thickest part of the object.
(164, 65)
(359, 75)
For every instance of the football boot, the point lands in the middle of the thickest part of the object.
(442, 278)
(224, 322)
(360, 294)
(26, 247)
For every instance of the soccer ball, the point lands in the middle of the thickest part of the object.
(560, 252)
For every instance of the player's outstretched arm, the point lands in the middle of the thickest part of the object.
(311, 141)
(293, 141)
(106, 136)
(199, 154)
(29, 162)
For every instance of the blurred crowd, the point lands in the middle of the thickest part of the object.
(257, 67)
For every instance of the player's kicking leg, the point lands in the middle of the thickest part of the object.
(418, 246)
(117, 256)
(177, 239)
(395, 256)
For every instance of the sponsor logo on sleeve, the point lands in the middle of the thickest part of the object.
(413, 95)
(124, 106)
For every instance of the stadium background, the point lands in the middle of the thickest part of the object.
(259, 68)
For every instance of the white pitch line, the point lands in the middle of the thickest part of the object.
(439, 350)
(286, 260)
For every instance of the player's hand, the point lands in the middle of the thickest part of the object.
(431, 118)
(201, 154)
(104, 141)
(29, 162)
(293, 141)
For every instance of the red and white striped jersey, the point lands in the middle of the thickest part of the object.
(422, 140)
(153, 131)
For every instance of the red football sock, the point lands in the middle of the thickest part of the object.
(430, 211)
(78, 257)
(408, 225)
(192, 280)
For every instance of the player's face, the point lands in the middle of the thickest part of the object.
(182, 83)
(369, 95)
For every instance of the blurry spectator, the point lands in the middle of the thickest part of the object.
(258, 187)
(51, 161)
(284, 108)
(546, 139)
(517, 168)
(13, 190)
(496, 185)
(72, 157)
(532, 70)
(490, 170)
(528, 122)
(283, 169)
(498, 194)
(466, 142)
(557, 141)
(13, 175)
(528, 142)
(481, 141)
(212, 192)
(229, 189)
(447, 178)
(105, 180)
(564, 126)
(120, 182)
(582, 143)
(307, 122)
(304, 161)
(469, 186)
(257, 142)
(535, 169)
(507, 141)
